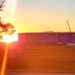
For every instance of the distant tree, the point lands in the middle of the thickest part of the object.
(2, 4)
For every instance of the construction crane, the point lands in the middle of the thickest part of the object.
(68, 25)
(70, 30)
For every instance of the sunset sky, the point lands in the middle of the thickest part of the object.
(40, 15)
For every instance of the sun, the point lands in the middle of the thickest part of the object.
(7, 38)
(10, 38)
(8, 33)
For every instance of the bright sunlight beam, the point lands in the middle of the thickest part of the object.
(13, 10)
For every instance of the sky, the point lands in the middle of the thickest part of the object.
(40, 15)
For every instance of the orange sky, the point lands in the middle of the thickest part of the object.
(39, 15)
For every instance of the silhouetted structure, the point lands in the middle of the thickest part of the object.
(47, 38)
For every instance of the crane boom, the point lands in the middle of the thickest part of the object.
(68, 25)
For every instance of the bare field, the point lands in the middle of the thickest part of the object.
(40, 58)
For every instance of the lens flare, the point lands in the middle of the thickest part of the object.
(8, 34)
(13, 10)
(4, 60)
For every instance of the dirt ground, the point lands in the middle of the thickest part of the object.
(40, 58)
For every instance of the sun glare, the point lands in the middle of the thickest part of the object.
(8, 33)
(7, 38)
(13, 4)
(10, 38)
